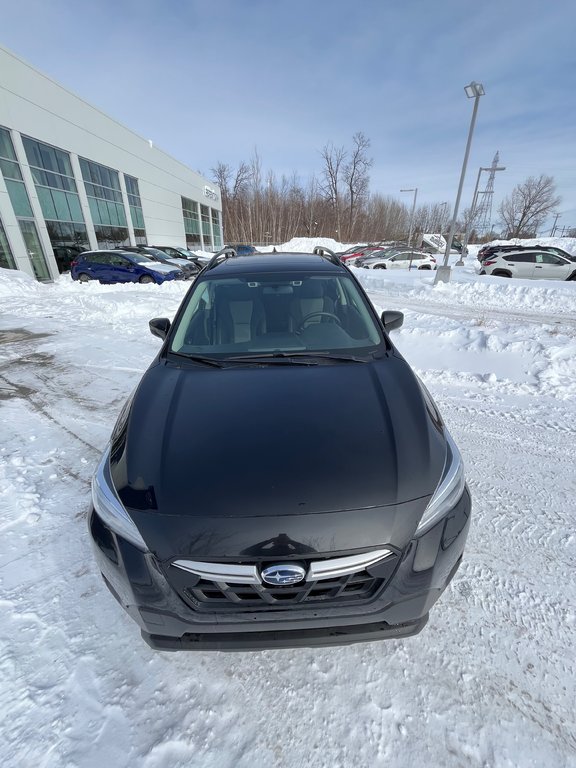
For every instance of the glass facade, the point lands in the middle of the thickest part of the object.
(191, 222)
(54, 181)
(216, 228)
(6, 257)
(106, 205)
(206, 231)
(134, 201)
(13, 176)
(21, 204)
(34, 248)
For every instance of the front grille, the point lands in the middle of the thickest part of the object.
(219, 597)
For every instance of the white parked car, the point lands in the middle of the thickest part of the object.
(405, 259)
(529, 265)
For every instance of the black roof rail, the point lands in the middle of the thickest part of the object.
(225, 253)
(321, 250)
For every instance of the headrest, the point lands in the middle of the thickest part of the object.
(311, 289)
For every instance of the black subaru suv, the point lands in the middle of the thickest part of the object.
(280, 477)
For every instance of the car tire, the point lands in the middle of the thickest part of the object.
(84, 278)
(379, 266)
(146, 279)
(501, 273)
(426, 267)
(572, 276)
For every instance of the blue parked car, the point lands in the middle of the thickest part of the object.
(121, 267)
(243, 250)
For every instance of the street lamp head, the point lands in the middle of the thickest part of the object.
(474, 89)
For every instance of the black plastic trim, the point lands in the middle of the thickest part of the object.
(295, 638)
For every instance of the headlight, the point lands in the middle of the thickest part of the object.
(110, 508)
(449, 490)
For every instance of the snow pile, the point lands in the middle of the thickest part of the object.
(16, 283)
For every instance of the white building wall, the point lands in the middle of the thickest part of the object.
(34, 105)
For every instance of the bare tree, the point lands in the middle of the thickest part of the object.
(523, 212)
(334, 159)
(357, 179)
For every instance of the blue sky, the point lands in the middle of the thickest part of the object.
(213, 81)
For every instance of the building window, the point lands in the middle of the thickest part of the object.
(216, 227)
(111, 237)
(191, 223)
(140, 237)
(105, 202)
(6, 258)
(35, 252)
(57, 193)
(23, 210)
(135, 204)
(206, 231)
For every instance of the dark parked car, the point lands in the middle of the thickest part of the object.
(121, 267)
(189, 269)
(225, 514)
(65, 255)
(174, 252)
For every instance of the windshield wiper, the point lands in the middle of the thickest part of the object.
(200, 359)
(272, 357)
(304, 358)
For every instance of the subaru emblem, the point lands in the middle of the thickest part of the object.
(283, 575)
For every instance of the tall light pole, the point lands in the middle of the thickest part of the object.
(473, 91)
(472, 215)
(415, 190)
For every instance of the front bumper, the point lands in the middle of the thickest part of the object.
(399, 609)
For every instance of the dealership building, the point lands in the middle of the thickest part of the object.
(72, 178)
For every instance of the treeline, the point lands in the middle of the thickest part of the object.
(260, 207)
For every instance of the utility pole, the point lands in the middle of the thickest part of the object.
(556, 217)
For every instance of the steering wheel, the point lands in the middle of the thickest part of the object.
(331, 315)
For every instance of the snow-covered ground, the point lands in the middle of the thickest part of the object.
(490, 682)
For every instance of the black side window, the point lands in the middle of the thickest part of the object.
(99, 258)
(520, 257)
(551, 258)
(119, 261)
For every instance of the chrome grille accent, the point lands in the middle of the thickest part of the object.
(223, 588)
(231, 573)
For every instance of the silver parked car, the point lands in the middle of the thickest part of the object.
(399, 259)
(529, 265)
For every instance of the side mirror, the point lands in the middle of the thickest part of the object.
(392, 319)
(159, 326)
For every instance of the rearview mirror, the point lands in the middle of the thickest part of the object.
(392, 319)
(159, 326)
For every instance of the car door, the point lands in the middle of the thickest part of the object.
(399, 261)
(122, 269)
(415, 259)
(552, 267)
(521, 264)
(97, 265)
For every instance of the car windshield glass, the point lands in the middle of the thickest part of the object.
(156, 253)
(276, 313)
(139, 259)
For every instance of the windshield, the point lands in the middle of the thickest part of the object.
(276, 313)
(139, 259)
(156, 254)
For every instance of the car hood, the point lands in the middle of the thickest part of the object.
(258, 452)
(181, 262)
(163, 269)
